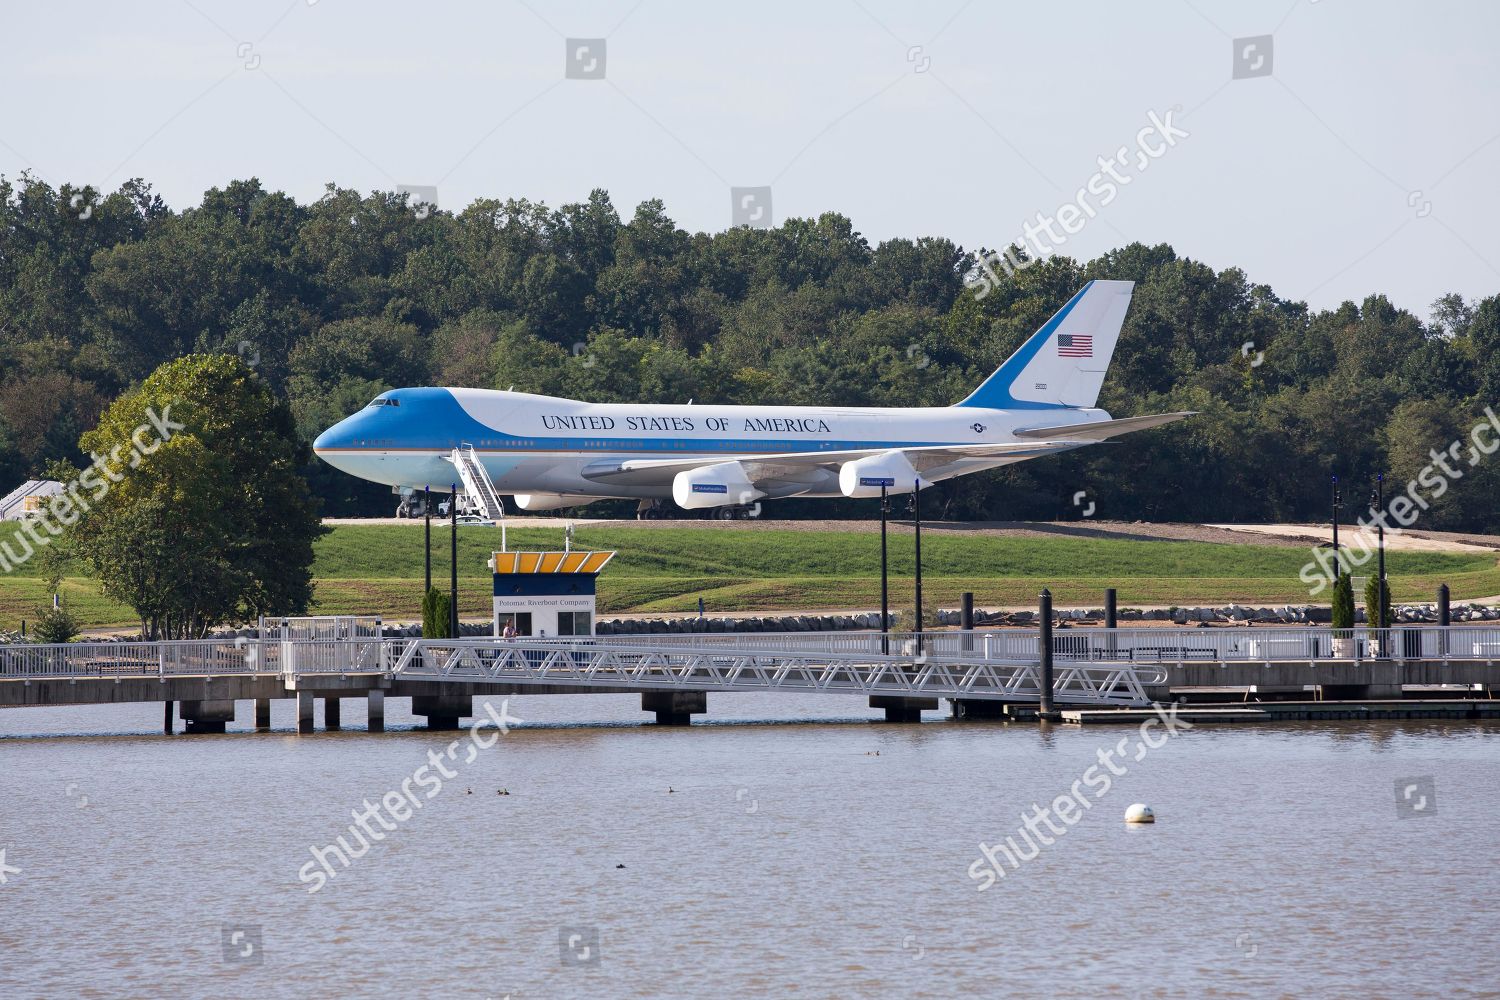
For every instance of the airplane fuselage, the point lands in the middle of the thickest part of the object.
(532, 444)
(549, 452)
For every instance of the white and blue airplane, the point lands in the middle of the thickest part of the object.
(550, 452)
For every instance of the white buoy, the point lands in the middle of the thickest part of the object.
(1140, 813)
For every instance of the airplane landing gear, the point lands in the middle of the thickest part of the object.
(737, 512)
(410, 507)
(656, 510)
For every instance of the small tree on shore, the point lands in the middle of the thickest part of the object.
(1343, 603)
(55, 625)
(1378, 603)
(435, 615)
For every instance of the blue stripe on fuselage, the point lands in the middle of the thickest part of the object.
(431, 420)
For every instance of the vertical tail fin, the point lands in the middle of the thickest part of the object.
(1064, 362)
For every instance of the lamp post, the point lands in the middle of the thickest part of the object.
(1380, 542)
(1044, 643)
(453, 565)
(885, 612)
(1445, 617)
(427, 540)
(916, 516)
(1338, 502)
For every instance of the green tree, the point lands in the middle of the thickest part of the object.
(462, 350)
(55, 625)
(437, 613)
(376, 350)
(1378, 602)
(352, 250)
(332, 302)
(199, 516)
(527, 363)
(1343, 602)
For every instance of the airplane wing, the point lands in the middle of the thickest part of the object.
(790, 465)
(714, 480)
(1099, 430)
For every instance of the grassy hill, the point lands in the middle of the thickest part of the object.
(378, 569)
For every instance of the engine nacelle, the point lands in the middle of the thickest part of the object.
(714, 486)
(863, 477)
(551, 501)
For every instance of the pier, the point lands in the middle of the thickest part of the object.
(1270, 673)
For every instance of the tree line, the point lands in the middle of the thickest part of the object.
(332, 302)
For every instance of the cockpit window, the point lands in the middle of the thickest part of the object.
(385, 402)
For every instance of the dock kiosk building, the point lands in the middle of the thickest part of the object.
(546, 593)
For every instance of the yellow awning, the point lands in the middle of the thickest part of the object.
(551, 562)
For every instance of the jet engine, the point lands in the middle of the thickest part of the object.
(714, 486)
(551, 501)
(863, 477)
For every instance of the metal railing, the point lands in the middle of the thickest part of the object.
(206, 657)
(476, 481)
(1138, 645)
(604, 663)
(358, 651)
(333, 656)
(122, 659)
(1180, 645)
(321, 627)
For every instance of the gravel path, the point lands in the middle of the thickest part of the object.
(1292, 536)
(1019, 529)
(1402, 541)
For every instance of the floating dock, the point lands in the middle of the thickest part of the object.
(1290, 711)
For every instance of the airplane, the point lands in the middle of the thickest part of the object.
(550, 453)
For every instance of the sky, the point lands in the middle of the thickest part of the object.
(1329, 148)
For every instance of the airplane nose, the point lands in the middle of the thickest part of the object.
(337, 436)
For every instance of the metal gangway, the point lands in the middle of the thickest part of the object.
(1176, 645)
(476, 480)
(913, 667)
(1090, 665)
(671, 663)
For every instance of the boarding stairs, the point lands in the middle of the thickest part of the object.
(477, 482)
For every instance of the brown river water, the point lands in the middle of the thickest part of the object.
(804, 850)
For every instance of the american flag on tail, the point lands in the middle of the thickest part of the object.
(1075, 345)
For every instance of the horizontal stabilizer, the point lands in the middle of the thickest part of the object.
(1098, 430)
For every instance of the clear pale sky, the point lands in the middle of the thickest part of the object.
(1366, 161)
